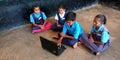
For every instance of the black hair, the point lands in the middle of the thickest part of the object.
(102, 18)
(70, 16)
(61, 6)
(33, 7)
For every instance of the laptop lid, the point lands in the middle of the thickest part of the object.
(51, 46)
(47, 44)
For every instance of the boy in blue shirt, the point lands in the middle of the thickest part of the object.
(99, 38)
(38, 20)
(71, 32)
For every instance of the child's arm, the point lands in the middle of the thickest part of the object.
(45, 21)
(42, 26)
(37, 25)
(44, 18)
(104, 38)
(60, 40)
(97, 42)
(92, 40)
(66, 36)
(56, 20)
(62, 35)
(58, 25)
(70, 37)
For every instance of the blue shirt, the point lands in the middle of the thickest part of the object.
(75, 30)
(105, 35)
(37, 15)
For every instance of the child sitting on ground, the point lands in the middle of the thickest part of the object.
(99, 38)
(71, 32)
(38, 20)
(60, 18)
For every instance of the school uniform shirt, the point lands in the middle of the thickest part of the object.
(75, 30)
(61, 16)
(105, 35)
(37, 15)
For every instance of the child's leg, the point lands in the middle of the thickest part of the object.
(84, 39)
(70, 42)
(103, 47)
(47, 26)
(65, 41)
(35, 29)
(55, 28)
(73, 43)
(92, 46)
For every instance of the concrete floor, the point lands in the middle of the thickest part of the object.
(21, 44)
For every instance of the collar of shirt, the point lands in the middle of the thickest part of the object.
(72, 25)
(37, 15)
(62, 15)
(99, 29)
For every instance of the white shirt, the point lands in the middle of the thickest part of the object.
(61, 16)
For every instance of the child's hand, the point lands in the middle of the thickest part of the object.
(91, 39)
(58, 25)
(42, 27)
(39, 26)
(59, 42)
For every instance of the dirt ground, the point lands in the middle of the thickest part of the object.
(21, 44)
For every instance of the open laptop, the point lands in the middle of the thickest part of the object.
(52, 46)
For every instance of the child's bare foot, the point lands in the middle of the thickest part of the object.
(79, 43)
(97, 53)
(75, 45)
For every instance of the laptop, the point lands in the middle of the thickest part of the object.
(52, 46)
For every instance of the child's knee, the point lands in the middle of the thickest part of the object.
(72, 42)
(84, 37)
(48, 25)
(54, 27)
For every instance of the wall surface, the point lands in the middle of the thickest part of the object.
(111, 3)
(14, 13)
